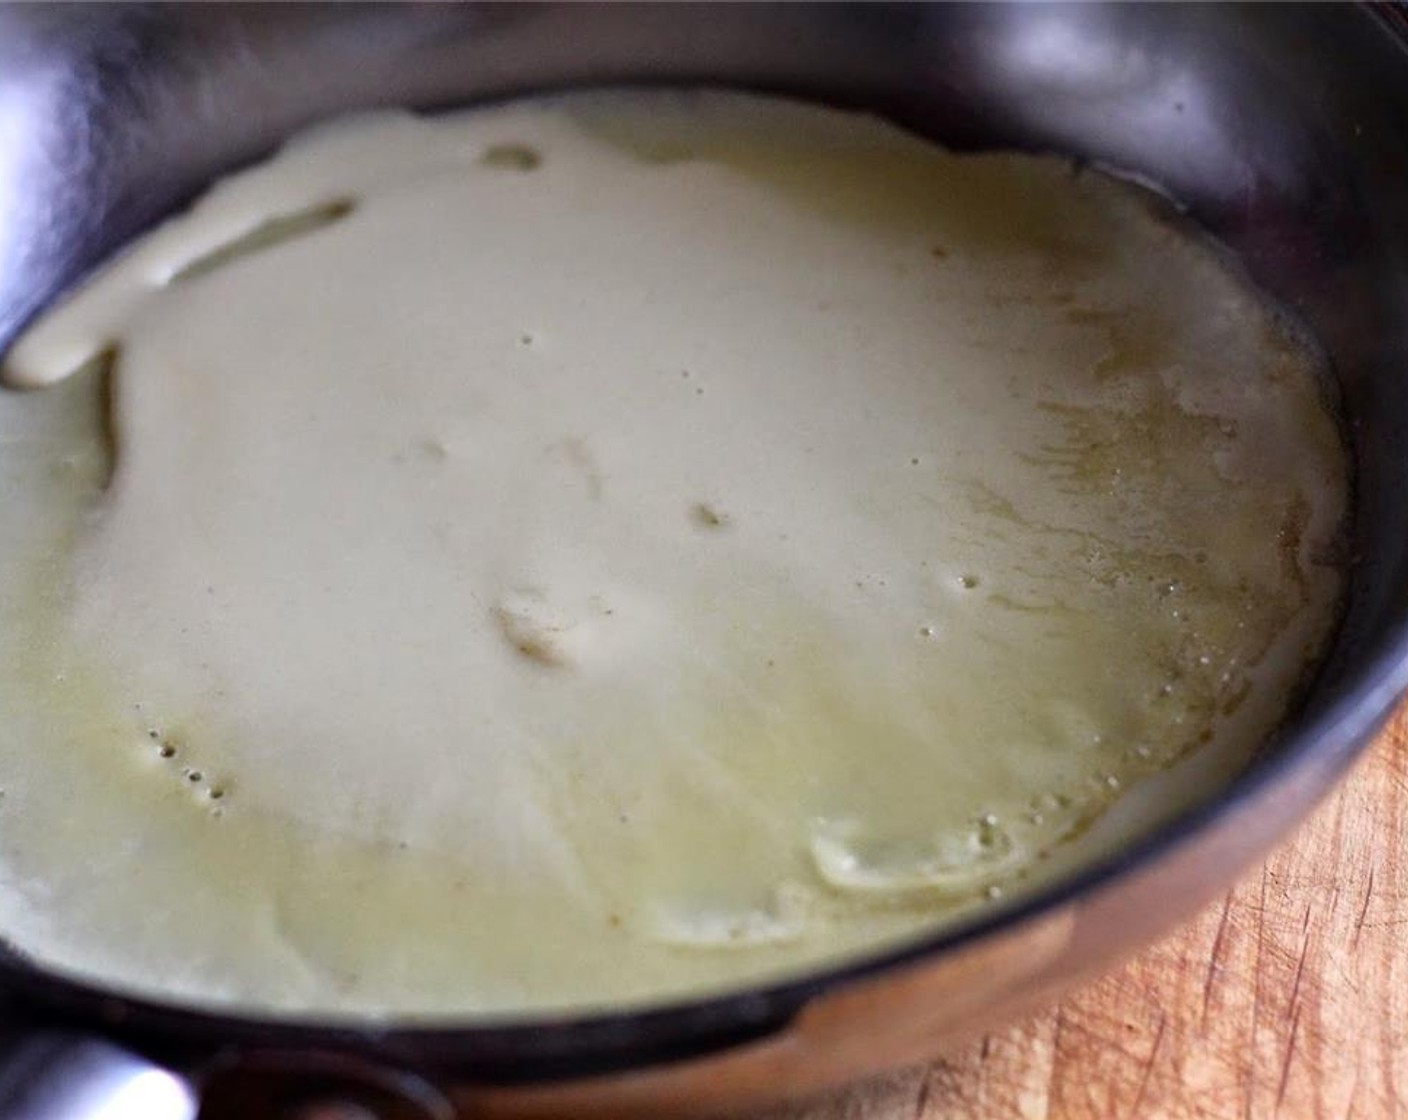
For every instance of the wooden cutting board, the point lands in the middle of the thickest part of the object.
(1287, 998)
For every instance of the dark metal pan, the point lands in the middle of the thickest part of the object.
(1282, 129)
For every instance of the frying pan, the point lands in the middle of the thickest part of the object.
(1282, 129)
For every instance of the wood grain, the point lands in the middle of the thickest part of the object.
(1286, 999)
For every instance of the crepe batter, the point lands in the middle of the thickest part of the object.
(589, 550)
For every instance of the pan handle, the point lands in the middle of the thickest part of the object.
(64, 1075)
(53, 1075)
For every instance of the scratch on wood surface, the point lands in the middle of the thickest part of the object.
(1248, 1072)
(1215, 958)
(1300, 962)
(1135, 1112)
(1288, 1058)
(1363, 910)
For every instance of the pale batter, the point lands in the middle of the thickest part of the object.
(578, 552)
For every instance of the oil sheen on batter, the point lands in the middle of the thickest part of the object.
(578, 552)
